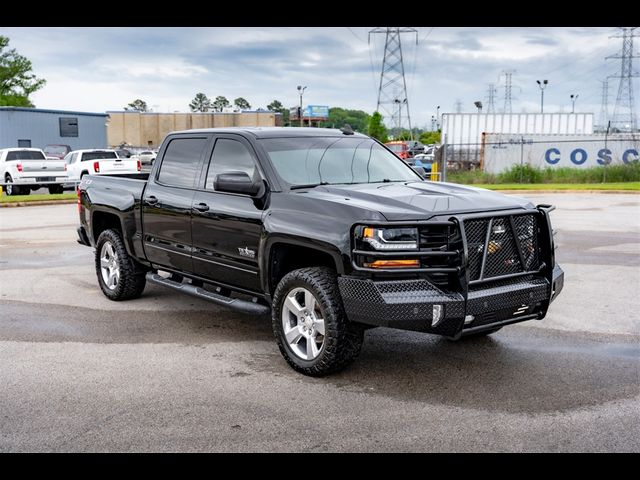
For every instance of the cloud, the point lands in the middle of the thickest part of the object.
(98, 69)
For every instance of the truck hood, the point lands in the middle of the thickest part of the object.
(415, 200)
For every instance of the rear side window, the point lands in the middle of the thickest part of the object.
(87, 156)
(181, 162)
(25, 155)
(229, 156)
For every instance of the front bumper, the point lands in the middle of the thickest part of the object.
(409, 304)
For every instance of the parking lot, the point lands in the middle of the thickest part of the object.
(169, 372)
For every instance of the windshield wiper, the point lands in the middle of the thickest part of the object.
(309, 185)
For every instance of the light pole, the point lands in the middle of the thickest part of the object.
(573, 102)
(438, 117)
(542, 86)
(400, 103)
(478, 105)
(301, 90)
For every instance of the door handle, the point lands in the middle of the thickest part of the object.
(151, 200)
(201, 207)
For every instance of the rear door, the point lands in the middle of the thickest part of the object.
(227, 226)
(167, 202)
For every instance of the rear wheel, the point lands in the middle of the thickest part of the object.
(313, 333)
(117, 274)
(55, 189)
(11, 189)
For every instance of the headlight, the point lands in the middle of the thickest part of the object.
(390, 238)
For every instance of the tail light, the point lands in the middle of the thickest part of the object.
(65, 167)
(79, 197)
(19, 167)
(139, 165)
(96, 167)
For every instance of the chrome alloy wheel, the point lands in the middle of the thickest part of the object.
(109, 266)
(303, 323)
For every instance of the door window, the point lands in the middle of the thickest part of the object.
(181, 162)
(230, 156)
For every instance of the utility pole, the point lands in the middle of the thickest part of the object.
(491, 104)
(573, 102)
(393, 86)
(507, 90)
(604, 106)
(624, 114)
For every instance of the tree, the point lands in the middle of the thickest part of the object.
(242, 104)
(138, 106)
(276, 106)
(201, 103)
(16, 80)
(338, 117)
(430, 137)
(220, 103)
(376, 128)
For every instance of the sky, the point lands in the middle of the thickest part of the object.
(102, 69)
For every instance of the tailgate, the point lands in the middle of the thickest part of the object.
(42, 167)
(120, 165)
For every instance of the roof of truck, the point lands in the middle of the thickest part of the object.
(277, 132)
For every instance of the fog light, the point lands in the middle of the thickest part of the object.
(437, 315)
(469, 319)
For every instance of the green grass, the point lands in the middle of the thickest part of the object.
(530, 175)
(37, 198)
(630, 186)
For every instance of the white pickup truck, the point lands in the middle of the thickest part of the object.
(26, 169)
(98, 162)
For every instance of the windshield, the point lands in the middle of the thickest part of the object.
(25, 155)
(98, 156)
(55, 149)
(302, 161)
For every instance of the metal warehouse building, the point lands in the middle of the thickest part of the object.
(35, 127)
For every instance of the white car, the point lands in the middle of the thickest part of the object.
(26, 169)
(98, 162)
(147, 157)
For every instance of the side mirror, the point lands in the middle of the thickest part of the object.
(236, 182)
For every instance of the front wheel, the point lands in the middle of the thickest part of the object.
(313, 333)
(118, 276)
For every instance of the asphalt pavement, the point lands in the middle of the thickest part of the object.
(169, 372)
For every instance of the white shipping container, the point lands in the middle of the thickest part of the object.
(465, 129)
(501, 151)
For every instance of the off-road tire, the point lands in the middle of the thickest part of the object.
(132, 279)
(343, 339)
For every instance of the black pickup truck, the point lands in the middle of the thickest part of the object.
(327, 230)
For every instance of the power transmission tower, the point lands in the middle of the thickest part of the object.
(392, 93)
(458, 106)
(491, 103)
(604, 106)
(507, 90)
(624, 113)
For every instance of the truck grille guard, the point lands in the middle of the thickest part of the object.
(479, 248)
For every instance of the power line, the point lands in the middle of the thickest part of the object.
(624, 114)
(507, 90)
(491, 94)
(392, 92)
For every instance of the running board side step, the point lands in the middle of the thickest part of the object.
(233, 303)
